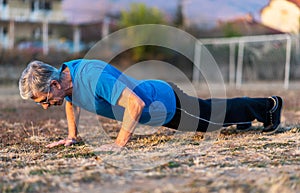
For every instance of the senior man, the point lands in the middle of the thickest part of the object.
(98, 87)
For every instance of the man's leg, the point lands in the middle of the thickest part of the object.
(265, 110)
(235, 111)
(195, 114)
(242, 111)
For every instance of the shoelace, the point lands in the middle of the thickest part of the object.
(275, 100)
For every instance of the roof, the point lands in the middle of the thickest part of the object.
(297, 2)
(241, 26)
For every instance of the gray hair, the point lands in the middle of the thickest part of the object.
(37, 77)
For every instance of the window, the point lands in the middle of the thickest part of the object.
(48, 6)
(33, 5)
(41, 5)
(45, 5)
(5, 31)
(50, 32)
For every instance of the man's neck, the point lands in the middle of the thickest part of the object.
(67, 81)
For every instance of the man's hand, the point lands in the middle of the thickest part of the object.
(65, 142)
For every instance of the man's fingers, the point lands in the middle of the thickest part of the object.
(61, 142)
(51, 145)
(66, 142)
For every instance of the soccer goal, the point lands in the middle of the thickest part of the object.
(248, 59)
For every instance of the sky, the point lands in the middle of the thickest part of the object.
(201, 12)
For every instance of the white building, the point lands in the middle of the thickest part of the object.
(34, 20)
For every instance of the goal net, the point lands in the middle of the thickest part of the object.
(252, 59)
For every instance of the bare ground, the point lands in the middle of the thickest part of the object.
(156, 159)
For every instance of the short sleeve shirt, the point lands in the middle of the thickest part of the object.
(97, 86)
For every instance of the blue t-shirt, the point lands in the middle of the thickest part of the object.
(97, 87)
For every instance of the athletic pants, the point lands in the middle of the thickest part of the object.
(195, 114)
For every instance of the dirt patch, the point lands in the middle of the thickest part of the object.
(155, 160)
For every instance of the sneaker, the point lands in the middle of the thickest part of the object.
(273, 116)
(244, 126)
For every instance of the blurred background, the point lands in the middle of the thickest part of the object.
(252, 40)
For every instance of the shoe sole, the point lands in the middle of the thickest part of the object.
(271, 132)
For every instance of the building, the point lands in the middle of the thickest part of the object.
(283, 15)
(240, 26)
(25, 22)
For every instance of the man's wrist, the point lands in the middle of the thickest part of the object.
(76, 138)
(71, 138)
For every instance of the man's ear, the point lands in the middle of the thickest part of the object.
(55, 83)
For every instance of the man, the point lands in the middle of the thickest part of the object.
(102, 89)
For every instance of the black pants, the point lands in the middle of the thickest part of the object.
(195, 114)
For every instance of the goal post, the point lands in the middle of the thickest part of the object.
(267, 50)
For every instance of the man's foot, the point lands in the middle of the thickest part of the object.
(273, 116)
(244, 127)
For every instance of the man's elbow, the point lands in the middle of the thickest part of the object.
(140, 105)
(135, 104)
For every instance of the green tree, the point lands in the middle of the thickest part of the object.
(230, 31)
(139, 14)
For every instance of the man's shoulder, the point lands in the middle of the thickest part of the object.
(86, 64)
(86, 61)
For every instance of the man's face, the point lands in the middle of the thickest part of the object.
(53, 97)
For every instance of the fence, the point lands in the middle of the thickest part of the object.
(266, 56)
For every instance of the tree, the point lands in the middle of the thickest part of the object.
(139, 14)
(179, 17)
(230, 31)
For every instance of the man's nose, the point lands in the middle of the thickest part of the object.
(45, 106)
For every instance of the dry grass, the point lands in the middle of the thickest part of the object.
(156, 159)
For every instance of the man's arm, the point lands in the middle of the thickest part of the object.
(72, 114)
(133, 109)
